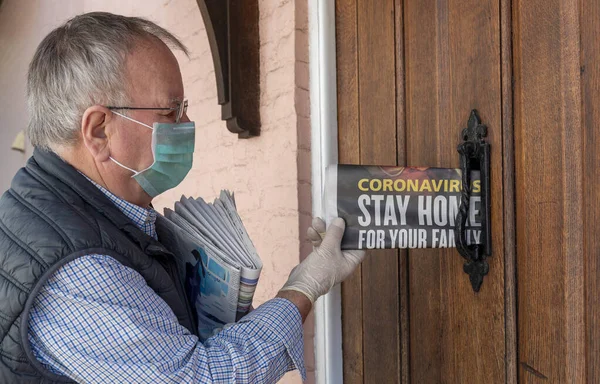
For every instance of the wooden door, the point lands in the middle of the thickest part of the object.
(408, 74)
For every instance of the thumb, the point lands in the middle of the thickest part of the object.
(334, 234)
(356, 256)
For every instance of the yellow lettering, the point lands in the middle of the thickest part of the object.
(397, 186)
(413, 186)
(454, 185)
(361, 186)
(476, 186)
(425, 186)
(375, 185)
(387, 185)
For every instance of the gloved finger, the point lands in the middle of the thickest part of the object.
(314, 236)
(356, 257)
(319, 225)
(334, 234)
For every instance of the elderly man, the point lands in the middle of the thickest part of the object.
(87, 291)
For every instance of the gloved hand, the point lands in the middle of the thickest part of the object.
(327, 265)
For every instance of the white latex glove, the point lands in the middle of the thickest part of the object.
(327, 265)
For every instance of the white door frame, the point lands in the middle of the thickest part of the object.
(324, 151)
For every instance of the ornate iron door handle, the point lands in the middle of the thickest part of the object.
(474, 155)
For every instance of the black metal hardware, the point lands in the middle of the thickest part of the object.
(474, 155)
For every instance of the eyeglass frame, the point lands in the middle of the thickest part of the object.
(181, 109)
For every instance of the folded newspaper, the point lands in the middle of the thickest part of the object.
(400, 207)
(216, 258)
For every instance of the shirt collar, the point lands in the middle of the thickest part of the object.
(143, 218)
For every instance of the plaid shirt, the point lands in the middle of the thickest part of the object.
(97, 321)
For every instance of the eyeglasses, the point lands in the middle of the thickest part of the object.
(181, 109)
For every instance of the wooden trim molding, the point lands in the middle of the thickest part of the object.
(232, 29)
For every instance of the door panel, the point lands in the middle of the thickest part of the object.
(590, 91)
(407, 81)
(409, 72)
(549, 184)
(452, 64)
(377, 90)
(349, 153)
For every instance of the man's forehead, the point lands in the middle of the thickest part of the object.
(156, 95)
(161, 85)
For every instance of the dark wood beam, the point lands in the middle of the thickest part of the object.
(232, 29)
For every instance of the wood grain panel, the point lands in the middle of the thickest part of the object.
(549, 183)
(401, 160)
(349, 153)
(453, 65)
(377, 108)
(508, 187)
(422, 60)
(590, 72)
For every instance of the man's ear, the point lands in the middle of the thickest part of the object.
(93, 131)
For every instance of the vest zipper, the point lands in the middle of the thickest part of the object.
(179, 286)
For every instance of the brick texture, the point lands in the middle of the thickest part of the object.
(270, 175)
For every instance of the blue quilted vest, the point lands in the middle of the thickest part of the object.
(50, 216)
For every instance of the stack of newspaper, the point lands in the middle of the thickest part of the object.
(216, 258)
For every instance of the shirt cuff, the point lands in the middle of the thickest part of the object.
(284, 318)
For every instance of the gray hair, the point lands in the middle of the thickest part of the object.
(80, 64)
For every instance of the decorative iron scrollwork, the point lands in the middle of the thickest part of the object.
(475, 155)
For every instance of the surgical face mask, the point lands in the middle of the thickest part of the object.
(173, 151)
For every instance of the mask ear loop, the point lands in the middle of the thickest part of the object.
(135, 173)
(130, 119)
